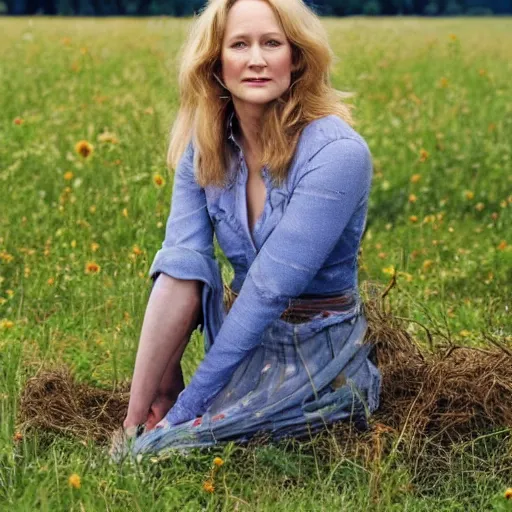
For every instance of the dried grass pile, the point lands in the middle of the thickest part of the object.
(53, 401)
(451, 394)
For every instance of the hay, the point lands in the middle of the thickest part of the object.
(448, 395)
(53, 401)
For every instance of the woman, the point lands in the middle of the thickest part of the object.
(267, 161)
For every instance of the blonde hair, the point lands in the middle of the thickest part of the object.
(203, 112)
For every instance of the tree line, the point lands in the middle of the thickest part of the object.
(190, 7)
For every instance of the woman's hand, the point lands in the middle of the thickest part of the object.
(159, 408)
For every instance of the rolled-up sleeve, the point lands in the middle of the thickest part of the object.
(187, 251)
(335, 182)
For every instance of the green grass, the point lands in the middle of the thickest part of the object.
(433, 102)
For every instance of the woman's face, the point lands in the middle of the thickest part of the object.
(255, 46)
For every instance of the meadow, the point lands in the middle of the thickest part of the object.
(85, 110)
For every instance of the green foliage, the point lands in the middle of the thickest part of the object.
(372, 8)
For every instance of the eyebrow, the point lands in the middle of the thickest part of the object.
(241, 35)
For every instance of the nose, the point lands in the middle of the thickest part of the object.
(256, 57)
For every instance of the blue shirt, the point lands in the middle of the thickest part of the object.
(305, 243)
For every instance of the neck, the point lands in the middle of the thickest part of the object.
(249, 120)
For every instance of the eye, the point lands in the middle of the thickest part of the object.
(277, 43)
(235, 45)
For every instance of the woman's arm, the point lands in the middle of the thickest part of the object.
(181, 268)
(164, 335)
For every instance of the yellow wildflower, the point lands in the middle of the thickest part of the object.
(208, 486)
(84, 148)
(95, 246)
(6, 324)
(74, 481)
(412, 198)
(68, 176)
(92, 268)
(453, 37)
(17, 437)
(18, 120)
(125, 212)
(469, 195)
(502, 245)
(424, 154)
(389, 270)
(158, 180)
(137, 250)
(443, 82)
(479, 206)
(427, 264)
(465, 333)
(217, 461)
(50, 281)
(508, 494)
(413, 218)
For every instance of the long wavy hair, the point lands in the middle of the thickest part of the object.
(205, 105)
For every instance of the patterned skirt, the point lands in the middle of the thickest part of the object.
(312, 368)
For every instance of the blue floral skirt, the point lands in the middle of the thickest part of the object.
(303, 377)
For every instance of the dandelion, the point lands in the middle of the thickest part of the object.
(17, 437)
(413, 218)
(6, 324)
(108, 137)
(208, 486)
(18, 121)
(427, 264)
(415, 178)
(66, 41)
(469, 195)
(158, 180)
(479, 206)
(389, 270)
(137, 250)
(6, 257)
(95, 246)
(92, 208)
(465, 333)
(452, 37)
(84, 148)
(508, 494)
(74, 481)
(412, 198)
(68, 176)
(443, 82)
(125, 212)
(92, 268)
(502, 245)
(50, 281)
(217, 461)
(424, 154)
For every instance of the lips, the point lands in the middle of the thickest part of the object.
(256, 80)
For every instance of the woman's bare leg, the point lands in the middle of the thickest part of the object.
(171, 316)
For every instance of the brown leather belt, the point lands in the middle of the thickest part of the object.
(302, 309)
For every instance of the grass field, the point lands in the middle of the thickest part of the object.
(77, 236)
